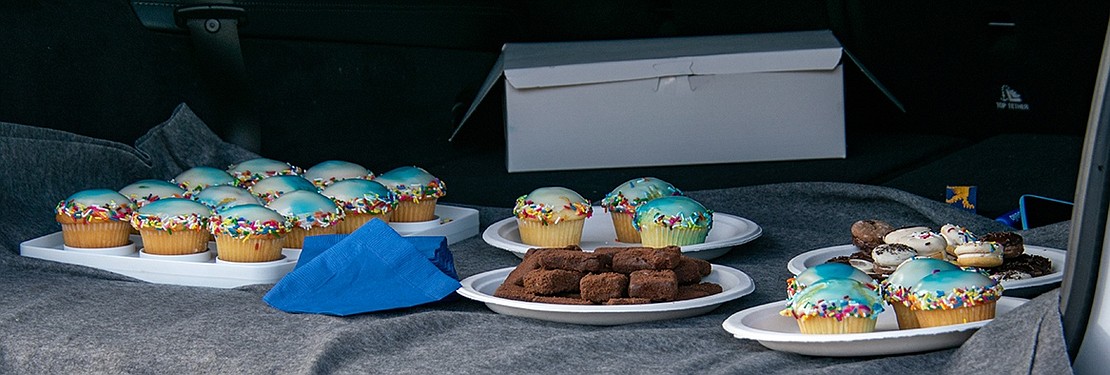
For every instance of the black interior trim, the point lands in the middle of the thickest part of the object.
(478, 25)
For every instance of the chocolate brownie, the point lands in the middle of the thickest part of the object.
(549, 282)
(611, 250)
(562, 300)
(572, 260)
(515, 292)
(657, 285)
(692, 291)
(530, 262)
(601, 287)
(691, 270)
(646, 258)
(627, 301)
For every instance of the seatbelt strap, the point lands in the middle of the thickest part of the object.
(214, 30)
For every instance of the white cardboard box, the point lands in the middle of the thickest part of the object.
(671, 101)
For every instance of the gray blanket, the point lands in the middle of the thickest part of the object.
(60, 318)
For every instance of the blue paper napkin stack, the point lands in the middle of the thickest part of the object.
(372, 269)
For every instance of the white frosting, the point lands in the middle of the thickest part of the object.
(927, 243)
(897, 234)
(888, 257)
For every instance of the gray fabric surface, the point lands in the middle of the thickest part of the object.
(70, 319)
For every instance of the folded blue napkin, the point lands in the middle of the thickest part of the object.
(372, 269)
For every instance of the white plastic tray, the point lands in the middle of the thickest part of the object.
(454, 223)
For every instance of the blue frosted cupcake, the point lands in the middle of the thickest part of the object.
(250, 171)
(897, 287)
(954, 297)
(95, 218)
(621, 203)
(310, 214)
(196, 179)
(173, 226)
(361, 201)
(835, 306)
(145, 191)
(271, 188)
(248, 233)
(416, 190)
(220, 197)
(327, 172)
(823, 272)
(672, 221)
(551, 217)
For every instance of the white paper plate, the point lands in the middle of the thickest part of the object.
(809, 259)
(480, 287)
(728, 231)
(764, 324)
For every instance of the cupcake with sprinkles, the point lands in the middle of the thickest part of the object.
(225, 196)
(309, 213)
(826, 271)
(672, 221)
(250, 171)
(897, 287)
(271, 188)
(417, 192)
(835, 306)
(954, 297)
(327, 172)
(173, 226)
(551, 217)
(195, 179)
(145, 191)
(248, 233)
(621, 203)
(361, 201)
(95, 218)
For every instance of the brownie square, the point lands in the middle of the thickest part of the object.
(531, 262)
(549, 282)
(627, 301)
(602, 287)
(514, 292)
(656, 285)
(561, 300)
(573, 261)
(646, 258)
(691, 270)
(686, 292)
(611, 250)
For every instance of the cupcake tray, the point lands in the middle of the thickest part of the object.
(203, 269)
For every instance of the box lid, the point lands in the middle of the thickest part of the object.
(536, 65)
(531, 65)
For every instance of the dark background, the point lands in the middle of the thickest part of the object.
(383, 83)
